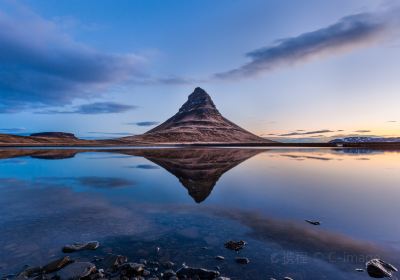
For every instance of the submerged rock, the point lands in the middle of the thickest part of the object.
(132, 269)
(91, 245)
(111, 262)
(191, 272)
(76, 270)
(235, 245)
(56, 265)
(315, 223)
(242, 260)
(169, 273)
(377, 268)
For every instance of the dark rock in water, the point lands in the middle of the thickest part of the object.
(288, 278)
(76, 270)
(315, 223)
(111, 262)
(91, 245)
(168, 274)
(132, 269)
(192, 273)
(168, 264)
(377, 268)
(235, 245)
(242, 260)
(220, 258)
(56, 265)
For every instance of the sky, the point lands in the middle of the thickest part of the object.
(286, 70)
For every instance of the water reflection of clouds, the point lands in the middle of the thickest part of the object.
(144, 166)
(333, 248)
(39, 220)
(93, 181)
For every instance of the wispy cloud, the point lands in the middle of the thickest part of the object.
(307, 132)
(110, 133)
(94, 108)
(346, 34)
(362, 131)
(12, 130)
(144, 123)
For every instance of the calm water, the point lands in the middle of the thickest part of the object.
(189, 202)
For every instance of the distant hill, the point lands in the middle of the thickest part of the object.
(197, 121)
(363, 139)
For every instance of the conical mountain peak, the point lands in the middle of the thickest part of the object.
(198, 100)
(197, 121)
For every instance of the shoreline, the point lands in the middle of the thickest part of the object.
(371, 145)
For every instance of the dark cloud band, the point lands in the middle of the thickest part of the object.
(344, 35)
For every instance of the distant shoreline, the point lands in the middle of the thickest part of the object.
(371, 145)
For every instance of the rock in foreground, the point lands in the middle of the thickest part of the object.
(377, 268)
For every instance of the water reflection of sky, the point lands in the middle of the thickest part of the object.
(259, 195)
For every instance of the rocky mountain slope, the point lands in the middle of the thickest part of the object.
(197, 121)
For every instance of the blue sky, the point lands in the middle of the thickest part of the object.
(296, 69)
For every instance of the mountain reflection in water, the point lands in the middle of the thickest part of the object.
(198, 170)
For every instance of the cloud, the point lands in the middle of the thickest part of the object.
(41, 64)
(145, 166)
(12, 130)
(145, 123)
(94, 108)
(392, 121)
(110, 133)
(346, 34)
(307, 132)
(362, 131)
(94, 181)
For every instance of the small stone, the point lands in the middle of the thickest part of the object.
(91, 245)
(288, 278)
(359, 270)
(168, 264)
(377, 268)
(191, 272)
(169, 273)
(220, 258)
(315, 223)
(132, 269)
(76, 270)
(113, 261)
(242, 260)
(235, 245)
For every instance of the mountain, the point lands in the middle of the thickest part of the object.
(364, 139)
(197, 121)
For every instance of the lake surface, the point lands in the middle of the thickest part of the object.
(189, 202)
